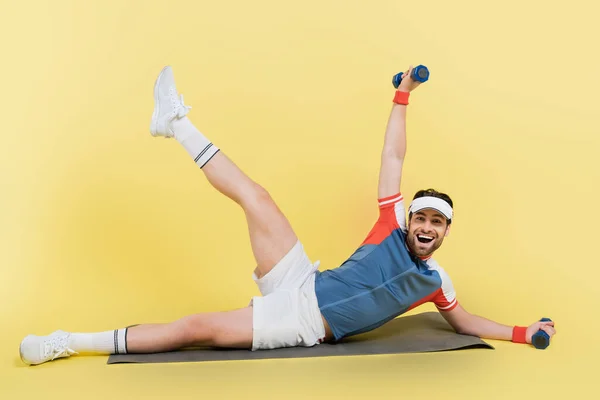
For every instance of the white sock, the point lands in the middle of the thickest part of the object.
(109, 342)
(195, 143)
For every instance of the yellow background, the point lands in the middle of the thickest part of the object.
(103, 226)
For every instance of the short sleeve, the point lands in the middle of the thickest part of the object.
(445, 298)
(391, 217)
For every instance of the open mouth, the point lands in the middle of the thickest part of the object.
(425, 238)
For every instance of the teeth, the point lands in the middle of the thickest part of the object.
(425, 237)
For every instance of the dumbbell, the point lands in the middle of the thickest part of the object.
(540, 339)
(420, 73)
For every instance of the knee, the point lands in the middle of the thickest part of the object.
(202, 330)
(258, 197)
(195, 330)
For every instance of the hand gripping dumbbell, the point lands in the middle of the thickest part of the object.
(540, 339)
(420, 74)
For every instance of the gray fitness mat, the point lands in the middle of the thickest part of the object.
(425, 332)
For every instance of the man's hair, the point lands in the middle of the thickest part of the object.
(433, 193)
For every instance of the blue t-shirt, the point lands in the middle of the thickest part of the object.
(382, 279)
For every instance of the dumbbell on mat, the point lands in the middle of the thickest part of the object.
(420, 74)
(540, 339)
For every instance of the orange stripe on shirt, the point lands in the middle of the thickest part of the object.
(390, 200)
(438, 299)
(442, 303)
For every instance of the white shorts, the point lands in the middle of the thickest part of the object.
(287, 314)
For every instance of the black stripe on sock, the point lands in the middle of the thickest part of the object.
(202, 152)
(210, 158)
(116, 341)
(126, 340)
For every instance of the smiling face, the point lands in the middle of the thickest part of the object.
(427, 229)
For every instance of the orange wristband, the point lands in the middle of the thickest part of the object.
(519, 334)
(401, 97)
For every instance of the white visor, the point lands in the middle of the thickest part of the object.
(434, 203)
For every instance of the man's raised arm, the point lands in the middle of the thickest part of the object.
(394, 145)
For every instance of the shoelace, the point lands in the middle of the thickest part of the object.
(180, 109)
(57, 347)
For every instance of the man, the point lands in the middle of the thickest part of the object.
(390, 273)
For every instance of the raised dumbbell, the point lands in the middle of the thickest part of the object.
(540, 339)
(420, 73)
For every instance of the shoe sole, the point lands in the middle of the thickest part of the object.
(156, 112)
(21, 354)
(21, 351)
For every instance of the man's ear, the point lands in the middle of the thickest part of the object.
(447, 230)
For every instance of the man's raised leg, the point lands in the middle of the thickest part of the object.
(271, 234)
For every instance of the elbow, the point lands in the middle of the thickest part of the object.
(470, 330)
(464, 328)
(461, 330)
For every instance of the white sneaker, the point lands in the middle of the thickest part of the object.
(168, 104)
(39, 349)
